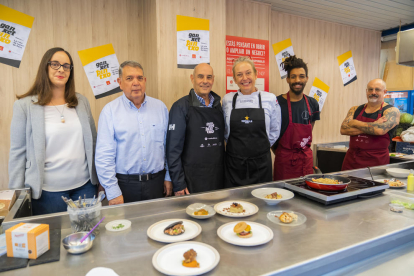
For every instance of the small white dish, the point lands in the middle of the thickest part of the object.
(398, 173)
(272, 217)
(392, 187)
(118, 225)
(261, 234)
(249, 209)
(156, 231)
(197, 206)
(261, 193)
(168, 259)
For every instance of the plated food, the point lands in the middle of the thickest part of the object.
(118, 225)
(274, 195)
(327, 181)
(394, 182)
(241, 233)
(174, 229)
(236, 208)
(200, 211)
(170, 259)
(243, 230)
(190, 259)
(286, 218)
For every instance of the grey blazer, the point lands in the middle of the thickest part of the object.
(27, 143)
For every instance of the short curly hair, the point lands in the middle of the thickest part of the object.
(293, 62)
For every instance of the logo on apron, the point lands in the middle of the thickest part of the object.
(210, 128)
(247, 121)
(304, 142)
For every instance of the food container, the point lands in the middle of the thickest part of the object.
(396, 208)
(403, 199)
(72, 243)
(327, 187)
(84, 219)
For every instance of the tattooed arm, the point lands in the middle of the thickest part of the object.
(390, 119)
(346, 129)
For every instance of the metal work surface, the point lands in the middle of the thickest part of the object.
(333, 237)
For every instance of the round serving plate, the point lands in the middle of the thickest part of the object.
(156, 231)
(168, 259)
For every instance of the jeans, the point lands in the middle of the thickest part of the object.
(52, 202)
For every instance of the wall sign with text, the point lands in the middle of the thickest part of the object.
(193, 41)
(101, 67)
(257, 50)
(15, 29)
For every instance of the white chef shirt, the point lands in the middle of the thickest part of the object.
(273, 119)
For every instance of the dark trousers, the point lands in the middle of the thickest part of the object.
(52, 202)
(134, 190)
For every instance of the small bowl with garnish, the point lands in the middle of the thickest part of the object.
(118, 225)
(272, 196)
(200, 211)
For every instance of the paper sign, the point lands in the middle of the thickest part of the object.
(257, 50)
(101, 67)
(347, 68)
(319, 91)
(14, 32)
(193, 41)
(282, 50)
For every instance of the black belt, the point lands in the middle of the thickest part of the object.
(140, 177)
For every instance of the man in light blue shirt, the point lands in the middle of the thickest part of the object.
(130, 149)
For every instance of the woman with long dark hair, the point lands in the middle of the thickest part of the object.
(52, 139)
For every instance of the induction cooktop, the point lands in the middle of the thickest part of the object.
(358, 188)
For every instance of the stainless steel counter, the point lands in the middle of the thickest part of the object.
(334, 237)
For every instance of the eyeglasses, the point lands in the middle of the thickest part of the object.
(56, 65)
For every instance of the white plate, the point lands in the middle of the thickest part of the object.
(197, 206)
(113, 223)
(261, 234)
(261, 193)
(271, 216)
(168, 259)
(156, 231)
(392, 187)
(250, 209)
(399, 173)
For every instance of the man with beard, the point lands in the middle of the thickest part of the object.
(293, 155)
(370, 126)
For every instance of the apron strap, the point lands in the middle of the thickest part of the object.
(365, 106)
(234, 99)
(260, 101)
(309, 110)
(289, 108)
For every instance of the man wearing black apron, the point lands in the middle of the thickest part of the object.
(195, 137)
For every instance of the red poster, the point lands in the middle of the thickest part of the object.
(257, 50)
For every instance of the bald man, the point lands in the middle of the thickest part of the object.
(195, 137)
(370, 126)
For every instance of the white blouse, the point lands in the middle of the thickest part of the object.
(66, 167)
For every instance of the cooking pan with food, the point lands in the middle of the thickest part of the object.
(312, 181)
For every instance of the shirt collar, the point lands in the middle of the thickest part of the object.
(131, 104)
(203, 102)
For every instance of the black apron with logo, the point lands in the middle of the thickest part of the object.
(248, 158)
(203, 154)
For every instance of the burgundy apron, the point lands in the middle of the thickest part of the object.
(293, 157)
(367, 150)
